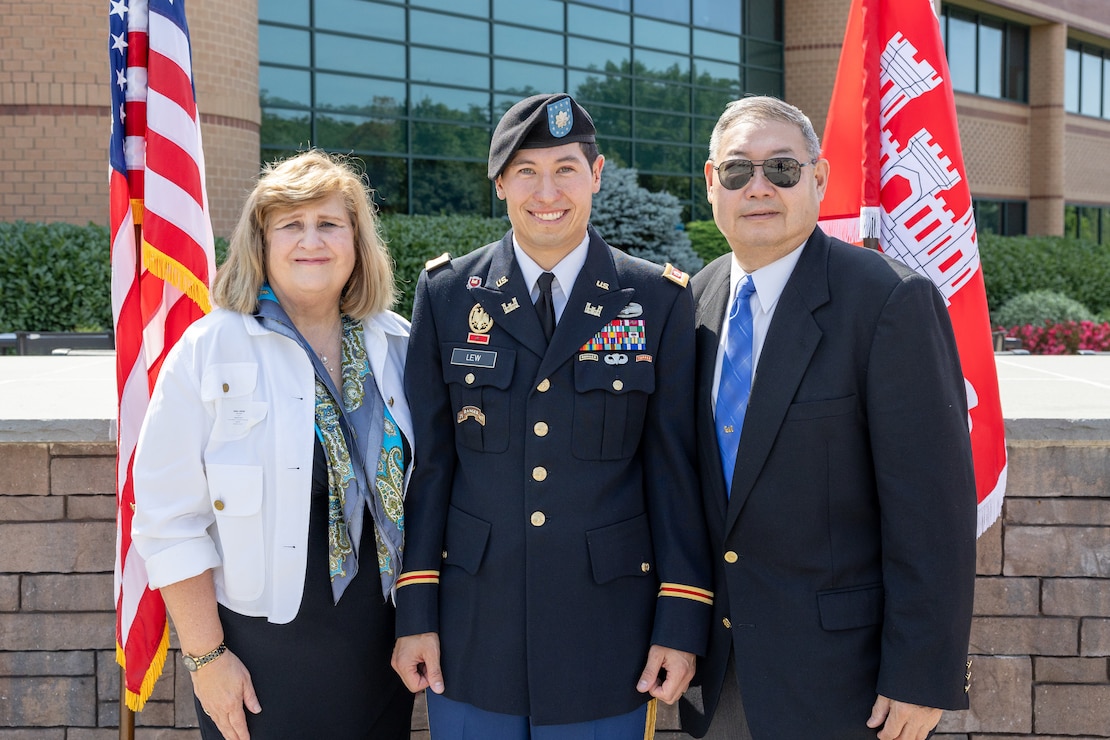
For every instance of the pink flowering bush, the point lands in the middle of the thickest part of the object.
(1062, 337)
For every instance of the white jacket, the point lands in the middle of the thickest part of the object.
(223, 467)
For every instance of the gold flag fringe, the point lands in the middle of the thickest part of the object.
(176, 274)
(135, 701)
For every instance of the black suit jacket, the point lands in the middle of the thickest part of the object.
(845, 557)
(554, 494)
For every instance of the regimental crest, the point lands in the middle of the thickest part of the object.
(560, 118)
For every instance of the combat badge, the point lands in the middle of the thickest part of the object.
(631, 311)
(480, 324)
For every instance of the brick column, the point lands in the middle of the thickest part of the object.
(813, 32)
(1047, 45)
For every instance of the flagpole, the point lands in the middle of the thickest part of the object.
(126, 716)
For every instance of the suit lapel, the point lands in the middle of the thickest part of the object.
(791, 341)
(709, 320)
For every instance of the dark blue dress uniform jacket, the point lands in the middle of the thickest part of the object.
(553, 523)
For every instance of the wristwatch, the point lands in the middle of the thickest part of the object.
(193, 663)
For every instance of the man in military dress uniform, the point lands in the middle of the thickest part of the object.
(556, 572)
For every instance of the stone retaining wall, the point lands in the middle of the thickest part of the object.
(1041, 636)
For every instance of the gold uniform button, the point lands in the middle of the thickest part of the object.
(645, 567)
(219, 505)
(540, 429)
(726, 623)
(618, 385)
(731, 557)
(539, 473)
(469, 378)
(538, 518)
(544, 386)
(226, 387)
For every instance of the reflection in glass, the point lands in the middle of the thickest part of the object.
(610, 120)
(607, 88)
(280, 86)
(763, 82)
(763, 53)
(443, 187)
(600, 24)
(678, 186)
(1090, 75)
(1017, 63)
(662, 66)
(662, 95)
(1106, 88)
(1071, 80)
(596, 55)
(359, 95)
(990, 59)
(450, 140)
(668, 10)
(282, 45)
(479, 8)
(359, 16)
(721, 15)
(656, 126)
(660, 35)
(462, 34)
(961, 53)
(359, 133)
(539, 13)
(362, 55)
(450, 104)
(509, 41)
(526, 79)
(388, 178)
(285, 128)
(449, 68)
(617, 151)
(712, 103)
(284, 11)
(717, 45)
(719, 75)
(662, 158)
(764, 19)
(625, 5)
(988, 216)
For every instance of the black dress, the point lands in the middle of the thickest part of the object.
(326, 674)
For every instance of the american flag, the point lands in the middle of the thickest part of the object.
(162, 263)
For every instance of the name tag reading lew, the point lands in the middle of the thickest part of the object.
(473, 357)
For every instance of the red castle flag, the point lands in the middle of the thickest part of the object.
(897, 174)
(162, 264)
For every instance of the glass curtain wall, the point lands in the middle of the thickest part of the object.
(414, 88)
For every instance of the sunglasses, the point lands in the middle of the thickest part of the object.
(783, 172)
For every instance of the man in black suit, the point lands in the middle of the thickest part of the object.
(844, 537)
(556, 569)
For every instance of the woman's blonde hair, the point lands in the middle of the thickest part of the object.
(304, 178)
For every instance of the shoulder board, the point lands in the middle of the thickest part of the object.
(437, 262)
(675, 275)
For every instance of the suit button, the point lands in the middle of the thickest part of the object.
(226, 387)
(538, 518)
(443, 554)
(726, 623)
(544, 385)
(618, 385)
(469, 378)
(539, 473)
(645, 567)
(218, 505)
(731, 557)
(540, 429)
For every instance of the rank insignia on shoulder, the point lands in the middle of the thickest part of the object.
(675, 275)
(436, 262)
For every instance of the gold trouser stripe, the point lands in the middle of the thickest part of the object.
(649, 724)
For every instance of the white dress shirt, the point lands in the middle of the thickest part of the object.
(566, 272)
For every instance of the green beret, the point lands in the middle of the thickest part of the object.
(538, 122)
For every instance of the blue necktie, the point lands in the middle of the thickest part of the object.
(736, 379)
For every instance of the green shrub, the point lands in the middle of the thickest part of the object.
(54, 277)
(413, 240)
(1041, 307)
(707, 240)
(1013, 265)
(642, 223)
